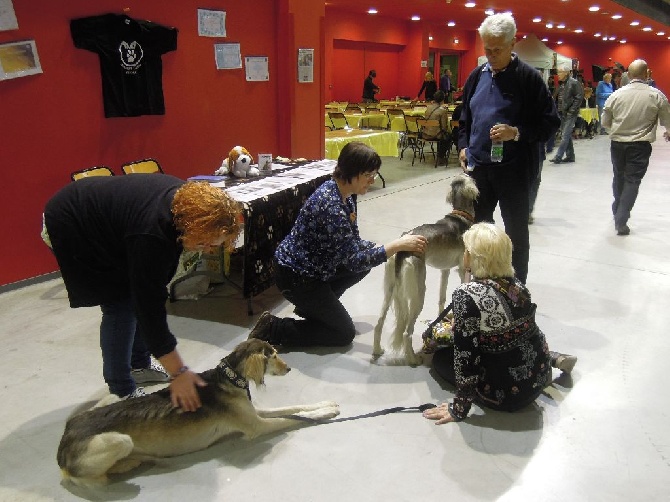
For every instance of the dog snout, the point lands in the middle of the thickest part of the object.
(243, 160)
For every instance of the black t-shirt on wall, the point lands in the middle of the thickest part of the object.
(130, 61)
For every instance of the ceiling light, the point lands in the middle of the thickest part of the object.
(470, 5)
(617, 16)
(372, 11)
(560, 26)
(622, 41)
(646, 28)
(612, 38)
(416, 18)
(451, 23)
(660, 33)
(489, 12)
(597, 34)
(579, 30)
(594, 8)
(545, 39)
(430, 37)
(537, 19)
(549, 25)
(455, 40)
(634, 23)
(605, 38)
(559, 42)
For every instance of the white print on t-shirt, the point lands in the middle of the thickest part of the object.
(131, 55)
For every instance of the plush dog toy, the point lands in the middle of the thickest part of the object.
(238, 164)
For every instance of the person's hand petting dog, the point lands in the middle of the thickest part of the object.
(183, 388)
(412, 243)
(439, 413)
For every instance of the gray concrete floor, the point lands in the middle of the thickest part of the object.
(601, 435)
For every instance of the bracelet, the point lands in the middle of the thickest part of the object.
(456, 418)
(180, 371)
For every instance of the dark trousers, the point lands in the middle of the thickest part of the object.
(629, 163)
(507, 184)
(326, 321)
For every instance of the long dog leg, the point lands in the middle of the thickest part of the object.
(444, 280)
(272, 424)
(389, 286)
(408, 299)
(292, 410)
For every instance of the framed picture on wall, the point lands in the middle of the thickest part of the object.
(305, 65)
(19, 59)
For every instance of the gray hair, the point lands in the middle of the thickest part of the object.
(499, 25)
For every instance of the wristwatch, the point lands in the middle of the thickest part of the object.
(518, 134)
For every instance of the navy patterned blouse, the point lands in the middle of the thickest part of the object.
(501, 357)
(325, 238)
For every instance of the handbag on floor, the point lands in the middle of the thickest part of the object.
(439, 333)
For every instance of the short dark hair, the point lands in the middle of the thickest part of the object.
(438, 97)
(372, 73)
(356, 158)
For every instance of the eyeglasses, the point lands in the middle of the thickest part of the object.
(372, 176)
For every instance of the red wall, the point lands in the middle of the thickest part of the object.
(53, 123)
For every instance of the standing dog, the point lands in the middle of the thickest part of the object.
(120, 436)
(405, 274)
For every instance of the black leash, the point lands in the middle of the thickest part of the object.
(377, 413)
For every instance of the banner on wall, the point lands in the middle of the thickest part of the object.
(305, 65)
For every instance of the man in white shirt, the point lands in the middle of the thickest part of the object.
(632, 113)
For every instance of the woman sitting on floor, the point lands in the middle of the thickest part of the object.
(500, 358)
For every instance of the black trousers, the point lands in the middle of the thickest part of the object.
(629, 163)
(508, 185)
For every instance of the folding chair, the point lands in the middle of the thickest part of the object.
(425, 138)
(338, 120)
(91, 171)
(412, 136)
(142, 166)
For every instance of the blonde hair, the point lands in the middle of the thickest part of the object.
(490, 251)
(429, 76)
(203, 214)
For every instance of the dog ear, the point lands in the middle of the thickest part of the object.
(254, 368)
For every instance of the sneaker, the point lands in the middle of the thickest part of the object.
(565, 362)
(155, 373)
(622, 230)
(263, 328)
(138, 392)
(569, 159)
(555, 160)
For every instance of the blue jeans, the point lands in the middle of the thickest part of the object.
(629, 163)
(326, 322)
(122, 346)
(566, 147)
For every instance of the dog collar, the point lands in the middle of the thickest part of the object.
(464, 214)
(233, 377)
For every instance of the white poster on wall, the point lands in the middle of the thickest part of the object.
(256, 68)
(211, 23)
(227, 56)
(306, 65)
(7, 16)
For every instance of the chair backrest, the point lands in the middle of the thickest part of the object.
(433, 126)
(91, 171)
(352, 107)
(142, 166)
(411, 123)
(338, 120)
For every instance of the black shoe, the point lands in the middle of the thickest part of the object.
(568, 159)
(555, 160)
(263, 328)
(622, 230)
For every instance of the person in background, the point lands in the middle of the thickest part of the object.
(500, 358)
(603, 92)
(370, 89)
(569, 102)
(632, 114)
(117, 241)
(429, 86)
(505, 100)
(437, 110)
(446, 87)
(650, 81)
(324, 255)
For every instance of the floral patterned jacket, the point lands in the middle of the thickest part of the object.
(501, 358)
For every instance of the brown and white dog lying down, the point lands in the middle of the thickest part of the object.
(118, 437)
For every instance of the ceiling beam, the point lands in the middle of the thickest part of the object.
(658, 10)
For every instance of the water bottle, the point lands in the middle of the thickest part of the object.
(497, 150)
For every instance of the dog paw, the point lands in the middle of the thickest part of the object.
(323, 413)
(377, 352)
(414, 360)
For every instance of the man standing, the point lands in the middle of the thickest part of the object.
(631, 114)
(505, 100)
(445, 85)
(370, 88)
(569, 102)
